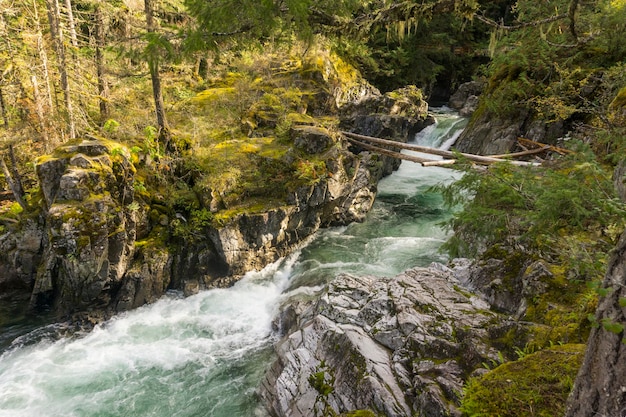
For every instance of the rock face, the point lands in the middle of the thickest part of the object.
(20, 256)
(507, 284)
(465, 99)
(398, 346)
(397, 115)
(79, 253)
(487, 134)
(251, 241)
(89, 230)
(490, 135)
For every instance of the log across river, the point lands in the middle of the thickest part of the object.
(205, 355)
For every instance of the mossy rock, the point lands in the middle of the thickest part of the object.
(359, 413)
(535, 385)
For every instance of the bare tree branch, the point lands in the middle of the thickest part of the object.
(534, 23)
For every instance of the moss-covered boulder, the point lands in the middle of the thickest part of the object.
(397, 115)
(535, 385)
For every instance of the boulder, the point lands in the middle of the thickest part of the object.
(508, 283)
(397, 115)
(398, 346)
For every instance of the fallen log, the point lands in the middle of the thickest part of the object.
(439, 163)
(393, 154)
(485, 160)
(556, 149)
(522, 153)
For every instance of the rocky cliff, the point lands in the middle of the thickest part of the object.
(93, 244)
(400, 346)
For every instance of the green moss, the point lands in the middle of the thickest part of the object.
(513, 262)
(462, 291)
(359, 413)
(536, 385)
(223, 217)
(208, 96)
(156, 239)
(620, 100)
(300, 118)
(560, 313)
(82, 241)
(322, 380)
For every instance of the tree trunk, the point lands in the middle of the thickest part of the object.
(47, 111)
(571, 15)
(619, 179)
(15, 187)
(600, 387)
(3, 110)
(72, 25)
(43, 55)
(57, 35)
(40, 112)
(103, 87)
(164, 130)
(153, 63)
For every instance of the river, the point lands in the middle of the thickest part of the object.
(205, 355)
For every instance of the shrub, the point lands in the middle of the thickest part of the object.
(538, 211)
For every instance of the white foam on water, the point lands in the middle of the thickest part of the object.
(150, 347)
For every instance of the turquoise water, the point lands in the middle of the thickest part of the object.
(205, 355)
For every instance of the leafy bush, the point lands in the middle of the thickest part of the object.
(538, 211)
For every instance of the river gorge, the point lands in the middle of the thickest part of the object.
(206, 354)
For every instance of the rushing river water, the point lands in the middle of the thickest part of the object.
(205, 355)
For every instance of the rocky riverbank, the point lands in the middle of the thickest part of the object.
(398, 346)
